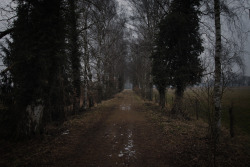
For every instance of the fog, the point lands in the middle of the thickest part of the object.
(125, 8)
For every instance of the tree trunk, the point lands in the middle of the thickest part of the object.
(75, 56)
(231, 117)
(150, 93)
(217, 82)
(149, 88)
(85, 88)
(162, 97)
(177, 109)
(98, 73)
(86, 63)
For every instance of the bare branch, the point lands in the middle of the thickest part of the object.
(6, 32)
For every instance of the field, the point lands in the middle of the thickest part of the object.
(238, 97)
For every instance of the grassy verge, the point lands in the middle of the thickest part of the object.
(190, 143)
(239, 97)
(43, 150)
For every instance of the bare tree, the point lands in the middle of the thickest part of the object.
(146, 16)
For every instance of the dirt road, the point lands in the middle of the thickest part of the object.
(123, 131)
(122, 137)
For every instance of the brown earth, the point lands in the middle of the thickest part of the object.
(124, 131)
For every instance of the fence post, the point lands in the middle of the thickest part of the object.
(196, 109)
(231, 117)
(166, 100)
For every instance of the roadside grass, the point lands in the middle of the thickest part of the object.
(189, 140)
(57, 139)
(238, 97)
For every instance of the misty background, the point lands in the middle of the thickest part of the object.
(7, 18)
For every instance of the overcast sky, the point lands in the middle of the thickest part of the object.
(247, 47)
(246, 22)
(125, 8)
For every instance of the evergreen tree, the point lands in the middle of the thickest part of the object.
(185, 45)
(37, 61)
(74, 52)
(179, 45)
(160, 67)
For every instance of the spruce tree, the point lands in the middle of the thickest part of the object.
(37, 62)
(185, 45)
(160, 64)
(179, 46)
(74, 52)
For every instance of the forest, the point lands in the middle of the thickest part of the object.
(61, 57)
(62, 60)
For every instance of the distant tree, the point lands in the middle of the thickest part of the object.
(146, 16)
(109, 45)
(181, 44)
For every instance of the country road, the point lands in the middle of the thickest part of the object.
(122, 137)
(123, 131)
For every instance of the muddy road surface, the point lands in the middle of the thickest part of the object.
(123, 136)
(124, 131)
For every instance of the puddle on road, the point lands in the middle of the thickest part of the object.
(65, 132)
(128, 150)
(125, 107)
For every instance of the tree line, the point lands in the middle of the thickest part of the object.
(179, 44)
(61, 57)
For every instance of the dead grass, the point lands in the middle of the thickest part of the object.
(240, 97)
(24, 153)
(191, 143)
(186, 141)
